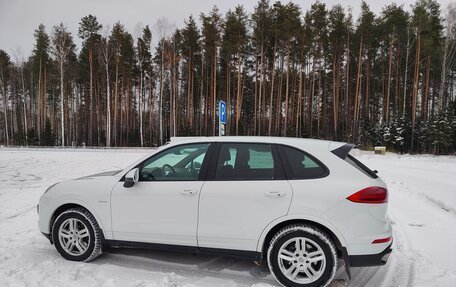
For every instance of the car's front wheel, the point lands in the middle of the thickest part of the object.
(302, 256)
(76, 235)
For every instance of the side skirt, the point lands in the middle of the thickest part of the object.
(239, 254)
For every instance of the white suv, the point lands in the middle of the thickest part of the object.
(298, 204)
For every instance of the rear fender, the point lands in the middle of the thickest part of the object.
(299, 217)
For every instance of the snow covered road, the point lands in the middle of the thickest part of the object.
(422, 209)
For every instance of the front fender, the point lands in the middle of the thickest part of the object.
(91, 193)
(103, 218)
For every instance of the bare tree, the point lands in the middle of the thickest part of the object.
(62, 46)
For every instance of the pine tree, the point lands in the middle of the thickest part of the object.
(115, 41)
(89, 29)
(40, 58)
(144, 63)
(262, 25)
(211, 28)
(365, 25)
(62, 46)
(48, 135)
(337, 34)
(191, 52)
(5, 63)
(234, 45)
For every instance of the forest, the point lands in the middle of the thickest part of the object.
(384, 78)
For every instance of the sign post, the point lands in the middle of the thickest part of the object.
(222, 118)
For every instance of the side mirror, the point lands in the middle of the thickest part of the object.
(196, 165)
(131, 177)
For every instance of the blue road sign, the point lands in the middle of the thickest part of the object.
(222, 112)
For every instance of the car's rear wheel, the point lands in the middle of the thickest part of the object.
(76, 235)
(302, 256)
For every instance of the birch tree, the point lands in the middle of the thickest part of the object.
(106, 56)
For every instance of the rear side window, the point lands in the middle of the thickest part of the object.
(360, 166)
(301, 165)
(241, 161)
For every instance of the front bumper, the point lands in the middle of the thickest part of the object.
(371, 259)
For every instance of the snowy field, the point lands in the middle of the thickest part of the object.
(422, 209)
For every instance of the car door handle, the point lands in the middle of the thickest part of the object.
(188, 192)
(275, 194)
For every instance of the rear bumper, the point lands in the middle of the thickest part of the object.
(371, 259)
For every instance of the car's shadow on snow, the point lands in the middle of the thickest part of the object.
(241, 272)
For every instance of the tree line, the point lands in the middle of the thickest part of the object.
(380, 79)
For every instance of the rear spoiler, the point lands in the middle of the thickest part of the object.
(343, 150)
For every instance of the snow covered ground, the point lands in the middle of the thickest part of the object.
(422, 209)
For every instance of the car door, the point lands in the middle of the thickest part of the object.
(245, 190)
(162, 207)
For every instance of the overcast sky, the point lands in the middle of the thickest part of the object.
(20, 18)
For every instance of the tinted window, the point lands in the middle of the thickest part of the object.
(177, 163)
(245, 162)
(301, 165)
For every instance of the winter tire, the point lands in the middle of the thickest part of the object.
(76, 235)
(302, 256)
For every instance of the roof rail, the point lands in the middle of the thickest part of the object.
(178, 139)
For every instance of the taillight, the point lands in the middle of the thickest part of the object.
(382, 240)
(372, 194)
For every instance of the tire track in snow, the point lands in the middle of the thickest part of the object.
(449, 179)
(362, 276)
(196, 271)
(401, 269)
(20, 213)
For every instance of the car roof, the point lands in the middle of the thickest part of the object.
(259, 139)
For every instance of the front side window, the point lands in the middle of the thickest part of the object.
(239, 161)
(177, 163)
(301, 165)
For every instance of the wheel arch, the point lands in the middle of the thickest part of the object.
(68, 205)
(275, 226)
